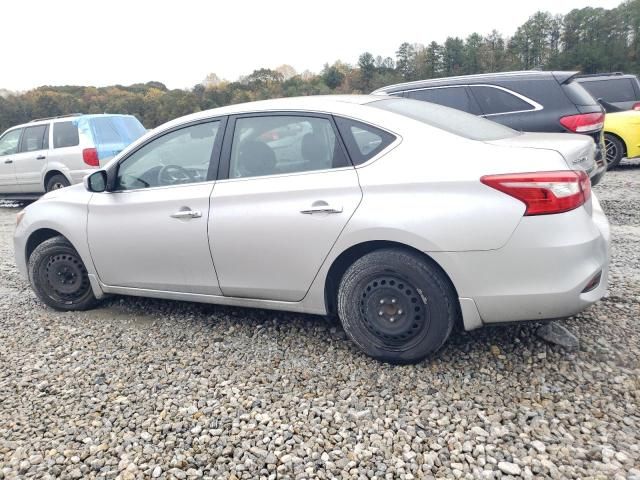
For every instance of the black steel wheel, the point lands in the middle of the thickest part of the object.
(397, 306)
(59, 277)
(393, 311)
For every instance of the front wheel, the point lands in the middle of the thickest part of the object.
(614, 150)
(59, 277)
(396, 306)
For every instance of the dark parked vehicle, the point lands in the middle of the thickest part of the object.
(532, 101)
(618, 89)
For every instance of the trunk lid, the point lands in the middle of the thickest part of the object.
(578, 151)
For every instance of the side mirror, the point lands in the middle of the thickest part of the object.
(96, 182)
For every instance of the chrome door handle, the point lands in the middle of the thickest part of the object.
(187, 214)
(322, 209)
(40, 157)
(8, 161)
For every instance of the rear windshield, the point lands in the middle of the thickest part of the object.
(577, 94)
(611, 90)
(120, 130)
(453, 121)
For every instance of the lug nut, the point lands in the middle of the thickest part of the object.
(400, 312)
(380, 313)
(393, 300)
(392, 319)
(382, 301)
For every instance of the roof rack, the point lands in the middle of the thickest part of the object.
(57, 116)
(586, 75)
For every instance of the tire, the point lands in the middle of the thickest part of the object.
(56, 182)
(614, 150)
(396, 306)
(59, 277)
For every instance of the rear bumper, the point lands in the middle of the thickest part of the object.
(539, 274)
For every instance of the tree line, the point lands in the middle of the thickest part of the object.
(588, 39)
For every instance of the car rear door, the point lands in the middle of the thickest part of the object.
(286, 191)
(9, 144)
(150, 230)
(31, 160)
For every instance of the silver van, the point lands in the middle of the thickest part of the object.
(52, 153)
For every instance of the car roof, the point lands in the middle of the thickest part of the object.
(603, 76)
(314, 103)
(66, 118)
(561, 76)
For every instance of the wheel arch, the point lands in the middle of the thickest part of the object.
(50, 174)
(37, 237)
(343, 261)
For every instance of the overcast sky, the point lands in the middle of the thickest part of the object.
(179, 42)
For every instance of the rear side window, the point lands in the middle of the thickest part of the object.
(454, 97)
(121, 130)
(283, 144)
(35, 138)
(453, 121)
(577, 94)
(612, 90)
(495, 100)
(65, 134)
(363, 141)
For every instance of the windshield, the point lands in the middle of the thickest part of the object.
(453, 121)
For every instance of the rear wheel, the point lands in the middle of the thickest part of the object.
(59, 277)
(614, 149)
(396, 306)
(56, 182)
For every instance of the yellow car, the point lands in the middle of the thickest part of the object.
(621, 136)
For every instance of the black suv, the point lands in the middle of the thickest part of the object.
(618, 89)
(532, 101)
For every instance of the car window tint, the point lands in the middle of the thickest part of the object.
(281, 144)
(448, 119)
(494, 100)
(65, 134)
(578, 94)
(9, 142)
(33, 138)
(611, 90)
(179, 157)
(454, 97)
(363, 141)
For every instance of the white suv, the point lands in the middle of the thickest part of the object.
(52, 153)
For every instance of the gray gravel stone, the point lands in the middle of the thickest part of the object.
(143, 388)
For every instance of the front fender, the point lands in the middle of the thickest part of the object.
(64, 211)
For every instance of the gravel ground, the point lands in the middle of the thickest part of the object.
(147, 388)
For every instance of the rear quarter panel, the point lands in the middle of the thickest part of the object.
(548, 93)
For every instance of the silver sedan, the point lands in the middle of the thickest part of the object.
(401, 217)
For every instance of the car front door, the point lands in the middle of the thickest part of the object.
(150, 230)
(286, 191)
(31, 161)
(8, 149)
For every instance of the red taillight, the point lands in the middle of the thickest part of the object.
(544, 193)
(584, 122)
(636, 106)
(90, 157)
